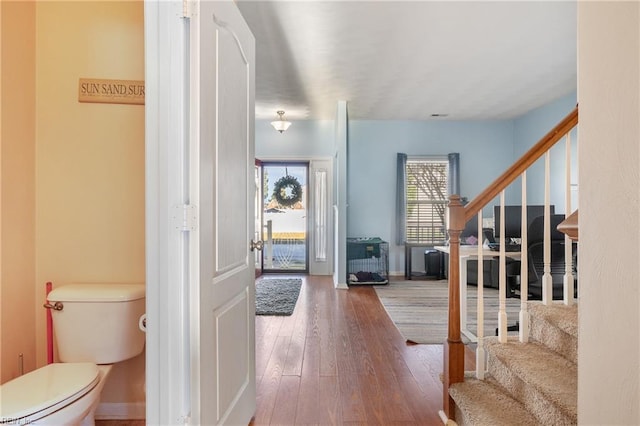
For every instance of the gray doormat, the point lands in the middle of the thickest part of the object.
(277, 296)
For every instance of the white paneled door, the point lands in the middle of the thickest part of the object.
(222, 182)
(200, 190)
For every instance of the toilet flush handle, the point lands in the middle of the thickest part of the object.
(56, 306)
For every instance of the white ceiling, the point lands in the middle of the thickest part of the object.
(393, 60)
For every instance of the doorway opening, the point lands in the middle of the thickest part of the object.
(284, 218)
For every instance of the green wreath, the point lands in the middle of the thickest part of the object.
(280, 192)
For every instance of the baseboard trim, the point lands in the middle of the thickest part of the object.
(121, 411)
(445, 420)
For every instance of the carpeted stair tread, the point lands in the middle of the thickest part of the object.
(482, 403)
(556, 327)
(558, 315)
(551, 380)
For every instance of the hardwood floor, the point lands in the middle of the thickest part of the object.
(339, 360)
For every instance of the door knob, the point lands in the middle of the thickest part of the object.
(256, 245)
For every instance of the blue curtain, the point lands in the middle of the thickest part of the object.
(454, 173)
(401, 201)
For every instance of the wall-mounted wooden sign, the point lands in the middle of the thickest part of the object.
(111, 91)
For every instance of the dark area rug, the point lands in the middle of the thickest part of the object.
(277, 296)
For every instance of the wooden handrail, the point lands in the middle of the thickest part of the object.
(569, 226)
(523, 163)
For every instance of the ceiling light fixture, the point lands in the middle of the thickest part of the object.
(281, 124)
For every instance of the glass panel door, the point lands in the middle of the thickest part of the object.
(285, 216)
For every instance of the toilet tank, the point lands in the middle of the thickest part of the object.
(98, 322)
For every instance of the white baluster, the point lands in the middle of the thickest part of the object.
(547, 283)
(568, 244)
(480, 354)
(524, 267)
(502, 310)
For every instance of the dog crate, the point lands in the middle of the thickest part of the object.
(367, 261)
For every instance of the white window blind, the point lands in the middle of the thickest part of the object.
(426, 198)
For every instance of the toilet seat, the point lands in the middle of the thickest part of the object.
(46, 390)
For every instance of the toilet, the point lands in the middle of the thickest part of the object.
(96, 325)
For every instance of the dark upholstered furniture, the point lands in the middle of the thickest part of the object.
(535, 246)
(491, 266)
(491, 271)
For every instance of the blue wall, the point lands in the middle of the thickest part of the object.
(528, 129)
(487, 149)
(305, 138)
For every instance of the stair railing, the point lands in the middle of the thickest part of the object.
(459, 215)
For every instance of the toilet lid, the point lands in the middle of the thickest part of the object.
(46, 389)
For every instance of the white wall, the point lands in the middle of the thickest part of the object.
(341, 194)
(609, 159)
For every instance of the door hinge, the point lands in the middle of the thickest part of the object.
(187, 8)
(185, 217)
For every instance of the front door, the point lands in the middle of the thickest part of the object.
(285, 216)
(223, 187)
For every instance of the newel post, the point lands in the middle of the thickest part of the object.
(453, 347)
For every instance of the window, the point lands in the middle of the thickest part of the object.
(426, 188)
(424, 185)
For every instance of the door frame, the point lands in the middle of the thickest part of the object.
(166, 153)
(259, 219)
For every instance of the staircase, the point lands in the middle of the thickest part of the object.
(531, 378)
(532, 383)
